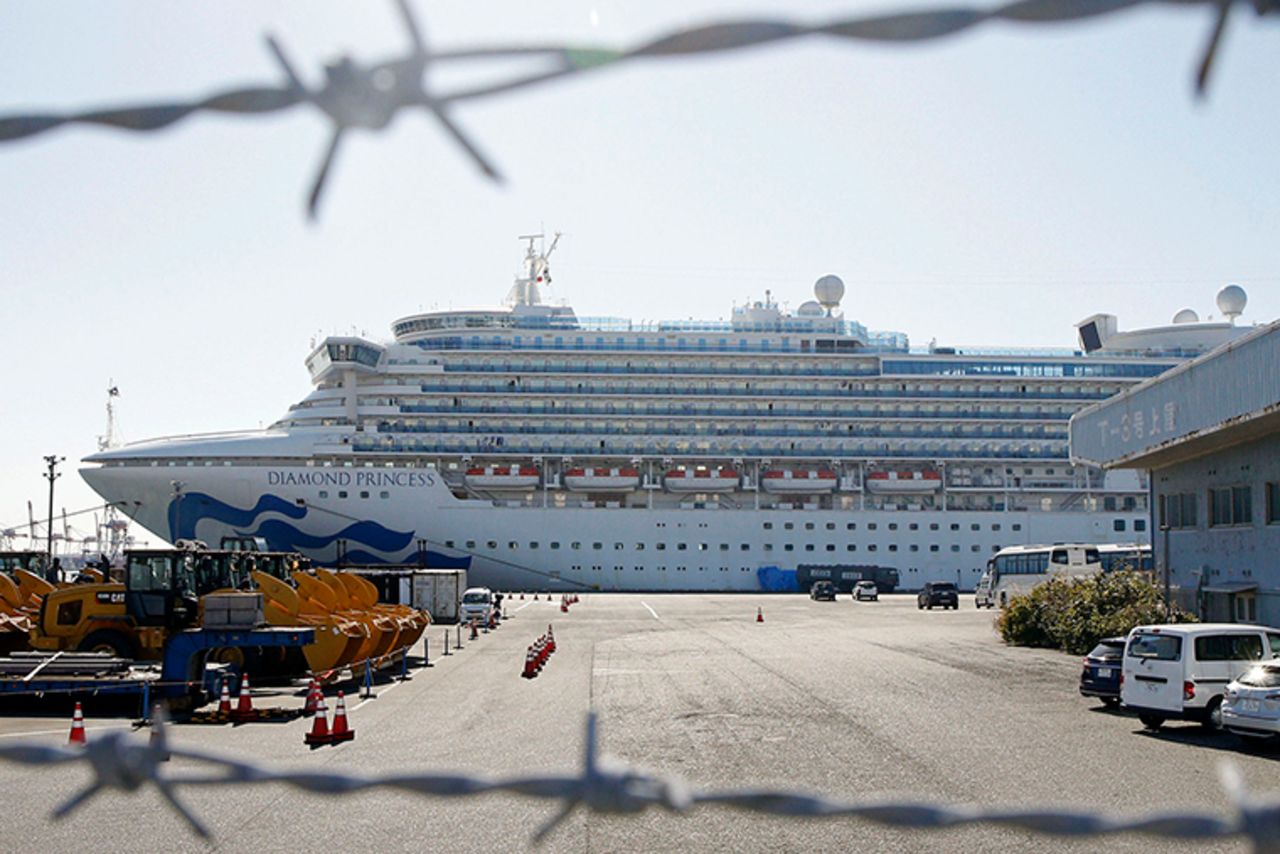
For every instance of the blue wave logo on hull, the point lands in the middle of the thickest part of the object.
(189, 508)
(285, 537)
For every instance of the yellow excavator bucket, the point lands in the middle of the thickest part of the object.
(10, 597)
(337, 642)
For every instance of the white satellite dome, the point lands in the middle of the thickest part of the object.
(1232, 300)
(809, 308)
(829, 290)
(1187, 315)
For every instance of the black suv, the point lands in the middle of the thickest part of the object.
(942, 593)
(823, 590)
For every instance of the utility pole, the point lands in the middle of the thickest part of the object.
(1164, 554)
(51, 475)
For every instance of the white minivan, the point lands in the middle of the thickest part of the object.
(477, 604)
(1181, 670)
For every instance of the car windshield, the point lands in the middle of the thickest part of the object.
(866, 584)
(475, 598)
(1158, 647)
(945, 586)
(1107, 649)
(1262, 677)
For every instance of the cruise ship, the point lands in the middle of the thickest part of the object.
(546, 451)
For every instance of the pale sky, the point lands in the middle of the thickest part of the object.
(990, 189)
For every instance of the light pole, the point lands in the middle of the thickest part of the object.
(1164, 554)
(51, 475)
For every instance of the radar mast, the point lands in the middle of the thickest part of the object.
(526, 290)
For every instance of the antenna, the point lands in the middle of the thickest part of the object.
(108, 439)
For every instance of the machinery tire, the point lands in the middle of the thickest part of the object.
(108, 640)
(1151, 722)
(1111, 702)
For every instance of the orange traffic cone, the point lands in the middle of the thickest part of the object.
(319, 735)
(77, 727)
(224, 700)
(564, 606)
(474, 634)
(314, 696)
(530, 669)
(551, 641)
(244, 707)
(341, 732)
(521, 597)
(759, 615)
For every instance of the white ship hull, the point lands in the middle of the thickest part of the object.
(532, 547)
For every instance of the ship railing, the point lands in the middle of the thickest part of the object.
(994, 395)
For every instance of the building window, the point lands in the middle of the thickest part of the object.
(1139, 525)
(1230, 505)
(1118, 525)
(1273, 503)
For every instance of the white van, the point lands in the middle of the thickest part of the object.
(1181, 670)
(477, 604)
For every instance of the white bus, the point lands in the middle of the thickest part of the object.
(1017, 569)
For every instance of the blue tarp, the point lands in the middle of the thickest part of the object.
(777, 580)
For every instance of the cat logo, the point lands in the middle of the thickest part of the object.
(110, 598)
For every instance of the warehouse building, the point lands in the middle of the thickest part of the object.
(1208, 432)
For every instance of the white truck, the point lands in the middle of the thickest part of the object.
(439, 592)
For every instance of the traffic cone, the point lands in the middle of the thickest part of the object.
(564, 606)
(341, 732)
(551, 641)
(759, 615)
(521, 597)
(244, 707)
(535, 597)
(319, 735)
(474, 633)
(314, 696)
(530, 669)
(224, 700)
(77, 727)
(493, 619)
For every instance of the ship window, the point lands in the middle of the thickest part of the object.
(384, 494)
(597, 546)
(955, 526)
(724, 547)
(788, 548)
(933, 548)
(342, 493)
(617, 547)
(681, 546)
(871, 547)
(871, 526)
(1139, 524)
(662, 547)
(851, 526)
(808, 547)
(831, 526)
(768, 526)
(893, 526)
(1118, 525)
(808, 526)
(324, 493)
(639, 547)
(851, 547)
(893, 547)
(744, 547)
(364, 494)
(575, 545)
(471, 544)
(448, 544)
(1017, 526)
(493, 544)
(555, 545)
(915, 547)
(933, 526)
(768, 547)
(955, 548)
(513, 545)
(533, 544)
(996, 526)
(975, 527)
(975, 548)
(831, 547)
(788, 525)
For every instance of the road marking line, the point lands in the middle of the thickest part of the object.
(650, 610)
(64, 730)
(388, 689)
(525, 605)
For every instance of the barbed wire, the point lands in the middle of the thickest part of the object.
(370, 96)
(124, 763)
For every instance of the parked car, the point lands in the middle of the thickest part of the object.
(984, 594)
(823, 590)
(477, 604)
(1101, 675)
(1180, 671)
(866, 590)
(1251, 704)
(942, 593)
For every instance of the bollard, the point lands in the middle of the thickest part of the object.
(446, 642)
(404, 666)
(426, 652)
(368, 682)
(146, 702)
(458, 643)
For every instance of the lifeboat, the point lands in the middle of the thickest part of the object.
(904, 481)
(503, 477)
(702, 480)
(601, 480)
(788, 480)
